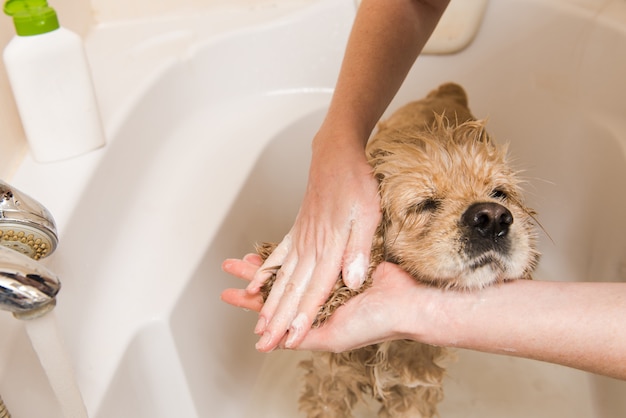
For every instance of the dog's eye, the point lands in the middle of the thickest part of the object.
(499, 194)
(427, 205)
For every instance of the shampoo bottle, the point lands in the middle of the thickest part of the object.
(51, 82)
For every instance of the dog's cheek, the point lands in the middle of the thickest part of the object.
(523, 253)
(429, 251)
(406, 229)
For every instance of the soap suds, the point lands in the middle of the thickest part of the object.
(355, 272)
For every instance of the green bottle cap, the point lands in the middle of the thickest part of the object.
(31, 17)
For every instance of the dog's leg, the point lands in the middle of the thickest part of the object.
(408, 402)
(325, 394)
(334, 382)
(408, 379)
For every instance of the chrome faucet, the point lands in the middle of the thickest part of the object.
(27, 234)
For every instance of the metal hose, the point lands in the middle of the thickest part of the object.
(4, 412)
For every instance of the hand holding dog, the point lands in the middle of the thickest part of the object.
(569, 323)
(366, 319)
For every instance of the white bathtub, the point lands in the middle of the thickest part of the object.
(210, 119)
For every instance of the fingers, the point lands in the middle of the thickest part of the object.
(242, 299)
(277, 258)
(245, 268)
(325, 276)
(302, 285)
(283, 287)
(357, 257)
(355, 269)
(358, 249)
(322, 339)
(253, 258)
(370, 317)
(336, 335)
(282, 305)
(300, 288)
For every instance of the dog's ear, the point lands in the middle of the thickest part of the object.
(451, 93)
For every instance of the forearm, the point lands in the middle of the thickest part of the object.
(385, 41)
(579, 325)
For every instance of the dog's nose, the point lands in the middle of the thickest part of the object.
(488, 219)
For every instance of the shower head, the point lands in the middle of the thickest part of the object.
(27, 288)
(25, 225)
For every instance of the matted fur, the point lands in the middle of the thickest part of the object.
(436, 165)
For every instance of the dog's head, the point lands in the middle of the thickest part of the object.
(453, 213)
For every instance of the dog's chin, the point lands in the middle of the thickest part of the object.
(483, 275)
(482, 271)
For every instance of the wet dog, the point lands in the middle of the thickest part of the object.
(453, 217)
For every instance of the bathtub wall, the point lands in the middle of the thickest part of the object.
(108, 10)
(81, 16)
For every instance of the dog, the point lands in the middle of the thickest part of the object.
(453, 216)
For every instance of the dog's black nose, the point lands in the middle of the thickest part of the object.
(488, 219)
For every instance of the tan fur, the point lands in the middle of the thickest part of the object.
(437, 168)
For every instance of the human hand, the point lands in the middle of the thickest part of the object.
(332, 233)
(378, 314)
(244, 269)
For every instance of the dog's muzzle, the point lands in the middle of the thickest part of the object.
(486, 226)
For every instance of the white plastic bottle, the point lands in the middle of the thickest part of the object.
(51, 82)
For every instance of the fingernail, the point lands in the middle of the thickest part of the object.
(260, 326)
(291, 339)
(264, 341)
(252, 288)
(295, 330)
(356, 272)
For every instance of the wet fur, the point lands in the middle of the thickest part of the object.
(433, 160)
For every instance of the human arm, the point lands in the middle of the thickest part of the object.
(575, 324)
(340, 211)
